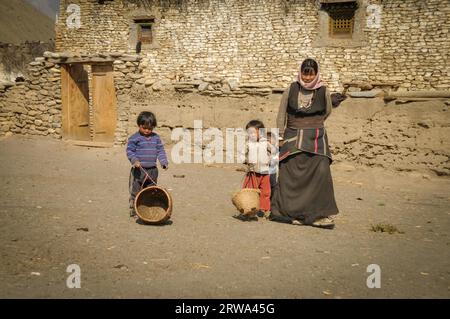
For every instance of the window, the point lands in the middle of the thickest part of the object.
(341, 18)
(341, 27)
(341, 23)
(144, 30)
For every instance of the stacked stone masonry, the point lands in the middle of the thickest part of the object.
(33, 106)
(264, 41)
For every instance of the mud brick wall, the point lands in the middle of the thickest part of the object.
(264, 41)
(404, 137)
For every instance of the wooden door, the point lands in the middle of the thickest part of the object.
(75, 102)
(103, 103)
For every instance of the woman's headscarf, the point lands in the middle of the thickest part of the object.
(314, 84)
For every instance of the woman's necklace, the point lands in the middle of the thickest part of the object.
(305, 100)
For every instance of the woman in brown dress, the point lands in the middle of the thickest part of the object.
(305, 193)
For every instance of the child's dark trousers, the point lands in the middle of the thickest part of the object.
(137, 178)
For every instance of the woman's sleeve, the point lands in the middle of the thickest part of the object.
(329, 104)
(281, 117)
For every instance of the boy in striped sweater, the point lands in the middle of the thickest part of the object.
(144, 149)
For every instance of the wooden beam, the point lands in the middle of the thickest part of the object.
(417, 94)
(90, 60)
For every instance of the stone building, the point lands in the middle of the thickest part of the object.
(116, 57)
(263, 41)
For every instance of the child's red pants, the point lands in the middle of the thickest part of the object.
(261, 182)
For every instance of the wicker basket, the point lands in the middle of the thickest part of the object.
(153, 205)
(247, 201)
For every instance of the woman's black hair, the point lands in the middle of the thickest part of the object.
(255, 123)
(309, 66)
(146, 119)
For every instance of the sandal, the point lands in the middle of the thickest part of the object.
(324, 223)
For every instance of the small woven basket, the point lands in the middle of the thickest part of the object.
(153, 205)
(247, 201)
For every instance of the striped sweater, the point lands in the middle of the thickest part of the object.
(146, 150)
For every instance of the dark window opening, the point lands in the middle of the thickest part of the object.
(144, 31)
(341, 18)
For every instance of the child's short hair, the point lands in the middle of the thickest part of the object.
(255, 123)
(146, 119)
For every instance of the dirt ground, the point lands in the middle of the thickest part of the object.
(62, 204)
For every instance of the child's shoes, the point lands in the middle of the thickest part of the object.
(263, 214)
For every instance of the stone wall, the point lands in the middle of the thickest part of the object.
(129, 84)
(364, 131)
(33, 106)
(14, 58)
(264, 41)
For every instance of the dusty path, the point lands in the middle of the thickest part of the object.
(50, 189)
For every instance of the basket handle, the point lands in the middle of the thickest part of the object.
(146, 177)
(251, 180)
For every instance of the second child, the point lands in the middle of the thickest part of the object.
(258, 161)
